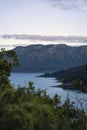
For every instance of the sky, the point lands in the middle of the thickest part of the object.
(25, 22)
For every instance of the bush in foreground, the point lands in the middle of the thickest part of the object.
(26, 109)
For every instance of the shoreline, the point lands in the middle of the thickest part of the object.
(70, 87)
(64, 86)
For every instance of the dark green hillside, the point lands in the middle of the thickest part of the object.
(44, 58)
(75, 77)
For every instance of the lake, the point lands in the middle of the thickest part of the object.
(22, 79)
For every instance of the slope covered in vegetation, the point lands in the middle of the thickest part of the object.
(75, 77)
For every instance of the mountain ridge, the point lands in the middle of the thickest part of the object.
(48, 58)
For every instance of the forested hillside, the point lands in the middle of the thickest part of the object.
(75, 78)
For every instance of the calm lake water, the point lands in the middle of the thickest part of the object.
(47, 83)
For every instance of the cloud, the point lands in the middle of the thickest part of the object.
(50, 38)
(68, 4)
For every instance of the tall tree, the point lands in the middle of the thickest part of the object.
(7, 60)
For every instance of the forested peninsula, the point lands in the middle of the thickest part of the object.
(72, 78)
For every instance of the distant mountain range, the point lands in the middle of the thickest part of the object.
(45, 58)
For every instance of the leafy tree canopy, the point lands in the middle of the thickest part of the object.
(7, 60)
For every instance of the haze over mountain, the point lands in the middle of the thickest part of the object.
(44, 58)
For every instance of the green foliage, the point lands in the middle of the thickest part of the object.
(78, 83)
(7, 60)
(25, 108)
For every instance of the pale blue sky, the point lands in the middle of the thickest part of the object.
(42, 17)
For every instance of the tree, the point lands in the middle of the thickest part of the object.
(7, 60)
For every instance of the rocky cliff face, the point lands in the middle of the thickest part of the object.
(43, 58)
